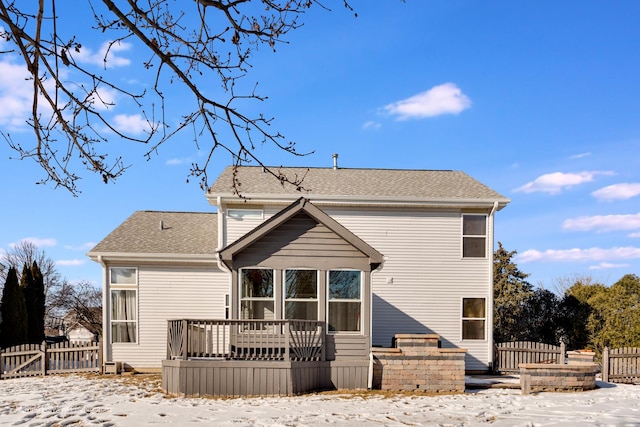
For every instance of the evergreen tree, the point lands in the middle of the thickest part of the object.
(13, 329)
(541, 317)
(615, 320)
(510, 293)
(35, 301)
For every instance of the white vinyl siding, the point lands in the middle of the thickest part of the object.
(181, 292)
(239, 226)
(424, 278)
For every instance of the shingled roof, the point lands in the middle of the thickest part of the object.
(374, 183)
(154, 232)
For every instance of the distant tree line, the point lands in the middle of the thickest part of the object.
(583, 314)
(39, 299)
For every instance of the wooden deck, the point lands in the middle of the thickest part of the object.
(232, 358)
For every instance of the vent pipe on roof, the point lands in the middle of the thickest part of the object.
(335, 161)
(161, 225)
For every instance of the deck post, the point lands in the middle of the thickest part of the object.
(287, 340)
(184, 350)
(563, 348)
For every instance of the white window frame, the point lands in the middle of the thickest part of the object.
(463, 319)
(124, 287)
(284, 292)
(474, 236)
(245, 214)
(359, 300)
(241, 298)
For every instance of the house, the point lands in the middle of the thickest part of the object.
(83, 327)
(364, 253)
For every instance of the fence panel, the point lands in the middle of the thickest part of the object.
(509, 355)
(621, 365)
(28, 360)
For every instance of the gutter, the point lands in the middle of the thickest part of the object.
(263, 198)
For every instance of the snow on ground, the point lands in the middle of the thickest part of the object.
(137, 400)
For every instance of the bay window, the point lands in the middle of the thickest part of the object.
(301, 294)
(345, 301)
(256, 294)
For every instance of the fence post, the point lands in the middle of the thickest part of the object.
(563, 351)
(43, 349)
(100, 356)
(605, 365)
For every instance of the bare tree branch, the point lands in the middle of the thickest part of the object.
(187, 44)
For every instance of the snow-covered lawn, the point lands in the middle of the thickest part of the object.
(137, 400)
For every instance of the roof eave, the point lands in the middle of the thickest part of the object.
(363, 200)
(152, 257)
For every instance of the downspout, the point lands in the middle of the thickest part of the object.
(106, 331)
(370, 373)
(490, 305)
(221, 234)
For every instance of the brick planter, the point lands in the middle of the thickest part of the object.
(416, 363)
(536, 377)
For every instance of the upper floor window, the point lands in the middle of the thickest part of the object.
(474, 236)
(124, 308)
(345, 301)
(301, 294)
(244, 213)
(256, 294)
(473, 318)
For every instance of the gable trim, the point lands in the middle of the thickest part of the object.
(301, 205)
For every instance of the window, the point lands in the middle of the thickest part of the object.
(256, 294)
(474, 236)
(301, 294)
(124, 307)
(345, 302)
(241, 214)
(473, 318)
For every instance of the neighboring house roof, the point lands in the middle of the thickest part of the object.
(354, 184)
(157, 234)
(301, 205)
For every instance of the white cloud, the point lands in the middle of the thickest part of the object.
(580, 155)
(104, 98)
(176, 161)
(37, 242)
(603, 223)
(622, 191)
(86, 55)
(134, 123)
(70, 262)
(579, 255)
(446, 98)
(554, 183)
(607, 265)
(16, 95)
(82, 247)
(371, 125)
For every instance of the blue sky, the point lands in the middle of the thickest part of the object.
(538, 100)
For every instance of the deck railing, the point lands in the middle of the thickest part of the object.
(290, 340)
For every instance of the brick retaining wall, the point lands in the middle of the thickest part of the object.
(536, 377)
(416, 363)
